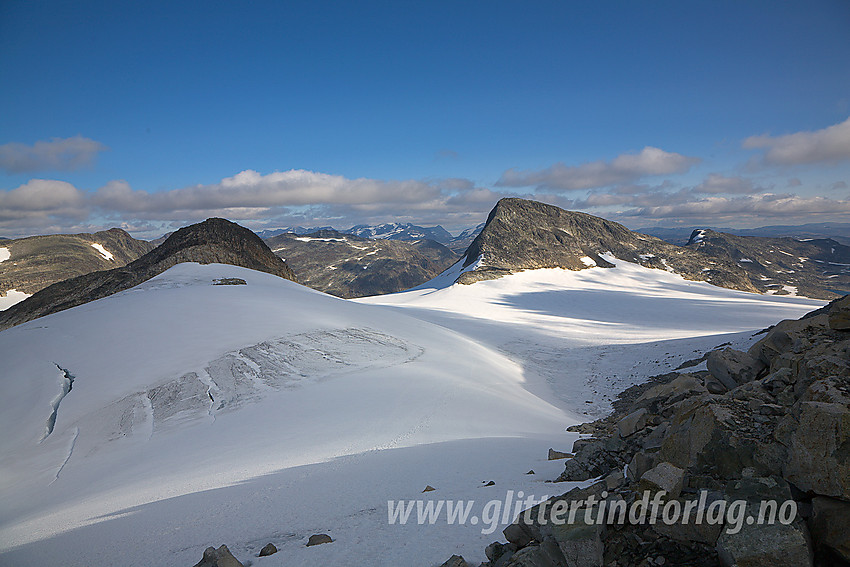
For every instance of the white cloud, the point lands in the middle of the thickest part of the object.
(764, 205)
(58, 154)
(625, 168)
(251, 189)
(829, 145)
(716, 184)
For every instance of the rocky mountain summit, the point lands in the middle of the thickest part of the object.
(769, 424)
(212, 241)
(818, 268)
(35, 262)
(523, 235)
(350, 266)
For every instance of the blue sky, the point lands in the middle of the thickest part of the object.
(150, 115)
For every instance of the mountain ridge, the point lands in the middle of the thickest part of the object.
(521, 234)
(214, 240)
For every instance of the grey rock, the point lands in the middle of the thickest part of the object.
(220, 557)
(581, 544)
(517, 534)
(319, 539)
(496, 550)
(640, 463)
(664, 476)
(268, 549)
(455, 561)
(690, 531)
(774, 545)
(830, 525)
(632, 423)
(556, 455)
(839, 314)
(733, 367)
(535, 556)
(819, 452)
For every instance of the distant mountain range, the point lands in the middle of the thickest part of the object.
(391, 231)
(348, 266)
(33, 263)
(838, 231)
(812, 267)
(68, 270)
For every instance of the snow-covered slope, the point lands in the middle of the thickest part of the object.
(143, 427)
(583, 336)
(132, 425)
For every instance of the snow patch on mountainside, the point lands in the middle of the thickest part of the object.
(12, 297)
(107, 255)
(4, 254)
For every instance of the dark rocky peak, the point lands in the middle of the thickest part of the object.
(214, 241)
(522, 235)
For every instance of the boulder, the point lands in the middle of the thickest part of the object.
(733, 367)
(691, 531)
(319, 539)
(682, 386)
(455, 561)
(774, 545)
(819, 451)
(665, 476)
(497, 551)
(268, 549)
(594, 458)
(839, 314)
(632, 423)
(783, 337)
(580, 544)
(545, 554)
(220, 557)
(716, 438)
(830, 525)
(517, 534)
(555, 455)
(640, 463)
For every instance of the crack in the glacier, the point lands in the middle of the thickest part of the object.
(66, 385)
(68, 456)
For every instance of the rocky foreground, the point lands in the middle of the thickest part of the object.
(770, 424)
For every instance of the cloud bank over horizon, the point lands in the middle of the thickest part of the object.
(642, 188)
